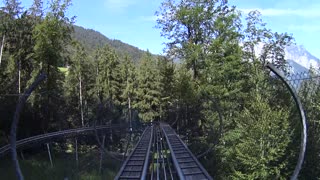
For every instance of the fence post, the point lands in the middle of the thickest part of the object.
(77, 157)
(101, 154)
(49, 153)
(22, 156)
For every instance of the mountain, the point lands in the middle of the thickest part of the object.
(92, 40)
(301, 56)
(298, 58)
(296, 67)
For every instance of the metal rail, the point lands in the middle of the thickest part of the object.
(161, 166)
(161, 154)
(169, 163)
(303, 119)
(44, 137)
(136, 165)
(186, 164)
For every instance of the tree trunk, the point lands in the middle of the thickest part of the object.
(80, 96)
(1, 50)
(195, 72)
(19, 65)
(48, 117)
(19, 78)
(129, 107)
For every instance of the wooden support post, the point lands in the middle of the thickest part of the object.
(101, 154)
(77, 157)
(49, 153)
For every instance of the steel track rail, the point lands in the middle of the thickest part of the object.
(186, 164)
(303, 120)
(163, 157)
(167, 155)
(136, 165)
(43, 137)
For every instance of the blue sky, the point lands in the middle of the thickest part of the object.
(133, 21)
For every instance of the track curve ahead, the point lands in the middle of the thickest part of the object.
(45, 137)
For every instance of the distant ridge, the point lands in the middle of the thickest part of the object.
(92, 40)
(299, 59)
(296, 67)
(302, 56)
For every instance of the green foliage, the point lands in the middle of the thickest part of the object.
(229, 88)
(190, 26)
(78, 83)
(273, 44)
(186, 98)
(38, 167)
(108, 75)
(212, 87)
(51, 37)
(258, 143)
(167, 80)
(128, 86)
(310, 93)
(93, 40)
(148, 89)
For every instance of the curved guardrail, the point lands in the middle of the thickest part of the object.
(44, 137)
(302, 116)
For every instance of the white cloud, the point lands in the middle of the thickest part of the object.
(309, 13)
(119, 5)
(305, 28)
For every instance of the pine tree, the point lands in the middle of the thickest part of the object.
(51, 37)
(148, 92)
(256, 147)
(17, 43)
(108, 75)
(310, 93)
(78, 81)
(167, 72)
(186, 97)
(128, 76)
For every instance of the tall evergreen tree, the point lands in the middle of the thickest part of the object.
(167, 72)
(129, 84)
(17, 43)
(78, 81)
(256, 147)
(51, 36)
(148, 92)
(108, 75)
(186, 97)
(310, 93)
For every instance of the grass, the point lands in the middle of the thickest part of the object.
(39, 167)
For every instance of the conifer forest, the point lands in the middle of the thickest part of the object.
(210, 85)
